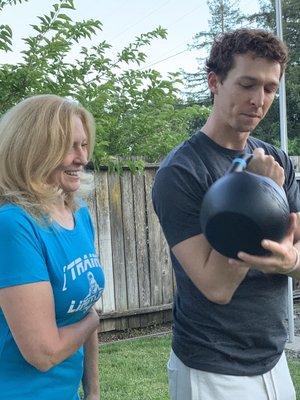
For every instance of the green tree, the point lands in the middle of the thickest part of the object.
(225, 16)
(5, 31)
(269, 129)
(136, 110)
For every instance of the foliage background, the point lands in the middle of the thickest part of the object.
(226, 15)
(138, 113)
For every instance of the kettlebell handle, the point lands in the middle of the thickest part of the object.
(240, 163)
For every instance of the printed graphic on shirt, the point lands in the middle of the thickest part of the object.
(75, 268)
(73, 271)
(93, 295)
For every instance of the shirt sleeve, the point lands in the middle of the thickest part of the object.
(291, 186)
(177, 197)
(21, 256)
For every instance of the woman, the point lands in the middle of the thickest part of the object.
(50, 277)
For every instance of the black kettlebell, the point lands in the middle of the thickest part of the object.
(242, 208)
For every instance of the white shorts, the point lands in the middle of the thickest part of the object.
(191, 384)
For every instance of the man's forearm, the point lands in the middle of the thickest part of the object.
(210, 272)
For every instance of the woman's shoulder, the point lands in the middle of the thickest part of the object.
(8, 210)
(13, 215)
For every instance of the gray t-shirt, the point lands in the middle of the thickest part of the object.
(246, 336)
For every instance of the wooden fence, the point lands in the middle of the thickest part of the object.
(134, 254)
(139, 279)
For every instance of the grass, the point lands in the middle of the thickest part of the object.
(295, 373)
(136, 370)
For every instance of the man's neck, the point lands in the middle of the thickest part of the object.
(225, 136)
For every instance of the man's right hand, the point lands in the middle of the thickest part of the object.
(265, 165)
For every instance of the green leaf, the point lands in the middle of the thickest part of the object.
(64, 17)
(69, 5)
(36, 28)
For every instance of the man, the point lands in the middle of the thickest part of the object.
(229, 315)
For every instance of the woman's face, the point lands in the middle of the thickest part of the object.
(67, 175)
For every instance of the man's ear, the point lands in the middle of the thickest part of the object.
(213, 82)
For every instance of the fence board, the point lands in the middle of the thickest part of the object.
(154, 239)
(142, 255)
(117, 244)
(92, 204)
(104, 242)
(167, 271)
(129, 246)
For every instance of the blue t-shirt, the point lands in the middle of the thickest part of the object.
(31, 252)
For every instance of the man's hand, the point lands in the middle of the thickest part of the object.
(283, 256)
(265, 165)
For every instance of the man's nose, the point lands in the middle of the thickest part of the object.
(258, 97)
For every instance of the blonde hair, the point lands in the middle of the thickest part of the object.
(35, 136)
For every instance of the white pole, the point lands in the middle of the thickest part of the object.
(284, 146)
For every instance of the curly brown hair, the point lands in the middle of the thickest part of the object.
(259, 42)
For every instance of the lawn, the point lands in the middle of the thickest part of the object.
(136, 370)
(295, 372)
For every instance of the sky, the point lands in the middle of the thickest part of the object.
(123, 20)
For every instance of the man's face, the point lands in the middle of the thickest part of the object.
(246, 94)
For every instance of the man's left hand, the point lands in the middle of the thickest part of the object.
(283, 255)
